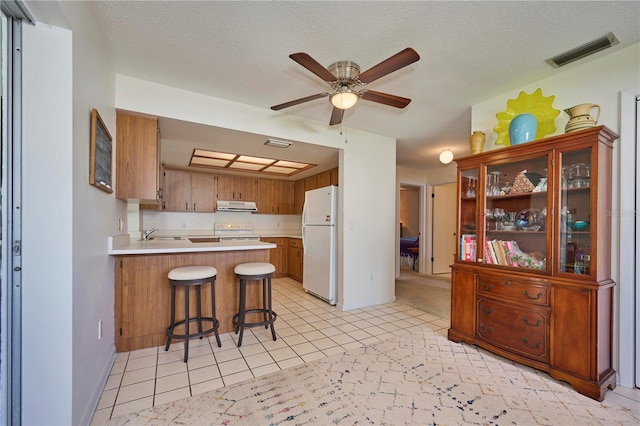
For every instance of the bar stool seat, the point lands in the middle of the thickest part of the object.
(254, 271)
(192, 276)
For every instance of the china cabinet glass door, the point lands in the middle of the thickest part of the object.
(575, 212)
(468, 250)
(516, 231)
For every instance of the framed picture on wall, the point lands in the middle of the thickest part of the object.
(100, 154)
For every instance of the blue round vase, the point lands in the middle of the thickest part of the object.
(523, 129)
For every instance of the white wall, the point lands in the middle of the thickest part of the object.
(95, 217)
(68, 275)
(47, 221)
(367, 171)
(600, 81)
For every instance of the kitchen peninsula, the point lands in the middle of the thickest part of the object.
(143, 292)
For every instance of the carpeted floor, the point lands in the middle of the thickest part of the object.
(418, 377)
(428, 293)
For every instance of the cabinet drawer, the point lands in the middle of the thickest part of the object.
(521, 291)
(295, 242)
(516, 329)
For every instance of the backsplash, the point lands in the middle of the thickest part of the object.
(168, 221)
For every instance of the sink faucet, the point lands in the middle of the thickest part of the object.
(146, 234)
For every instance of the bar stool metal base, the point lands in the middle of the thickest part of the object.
(268, 315)
(199, 319)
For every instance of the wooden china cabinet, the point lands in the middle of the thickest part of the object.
(532, 276)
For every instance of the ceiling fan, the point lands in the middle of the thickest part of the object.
(344, 77)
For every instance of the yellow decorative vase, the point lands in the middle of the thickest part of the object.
(476, 142)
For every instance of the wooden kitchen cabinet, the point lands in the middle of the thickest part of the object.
(334, 176)
(296, 259)
(238, 188)
(311, 183)
(143, 293)
(323, 179)
(275, 196)
(298, 196)
(533, 284)
(279, 256)
(137, 158)
(189, 191)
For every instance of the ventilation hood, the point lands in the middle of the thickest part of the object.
(236, 206)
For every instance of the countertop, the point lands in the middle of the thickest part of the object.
(124, 244)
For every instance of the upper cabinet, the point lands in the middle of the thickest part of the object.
(275, 196)
(532, 275)
(329, 177)
(237, 188)
(189, 191)
(137, 158)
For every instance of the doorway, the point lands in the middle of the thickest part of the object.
(443, 227)
(410, 226)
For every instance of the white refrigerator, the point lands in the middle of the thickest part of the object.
(319, 242)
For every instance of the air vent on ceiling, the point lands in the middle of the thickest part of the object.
(586, 49)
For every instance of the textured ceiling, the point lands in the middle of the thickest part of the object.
(470, 51)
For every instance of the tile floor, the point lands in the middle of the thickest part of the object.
(307, 329)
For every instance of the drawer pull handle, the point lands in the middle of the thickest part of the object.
(526, 321)
(486, 330)
(526, 342)
(486, 310)
(484, 286)
(526, 294)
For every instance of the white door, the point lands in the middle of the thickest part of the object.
(443, 227)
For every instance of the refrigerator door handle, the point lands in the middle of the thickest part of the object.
(304, 246)
(304, 212)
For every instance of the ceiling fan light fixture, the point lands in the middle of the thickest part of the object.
(344, 98)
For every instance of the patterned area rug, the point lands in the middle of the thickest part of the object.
(419, 377)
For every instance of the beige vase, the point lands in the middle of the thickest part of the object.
(476, 142)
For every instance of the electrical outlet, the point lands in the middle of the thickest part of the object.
(100, 330)
(120, 224)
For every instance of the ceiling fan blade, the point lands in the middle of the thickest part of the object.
(385, 98)
(389, 65)
(336, 116)
(312, 65)
(299, 101)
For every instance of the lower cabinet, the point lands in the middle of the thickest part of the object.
(555, 325)
(279, 256)
(296, 259)
(143, 293)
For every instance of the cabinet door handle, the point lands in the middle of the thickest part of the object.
(526, 294)
(526, 321)
(485, 310)
(484, 286)
(186, 206)
(526, 342)
(194, 207)
(486, 330)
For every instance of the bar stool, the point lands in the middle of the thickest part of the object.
(254, 271)
(186, 277)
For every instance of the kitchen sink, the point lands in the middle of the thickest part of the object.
(204, 239)
(164, 238)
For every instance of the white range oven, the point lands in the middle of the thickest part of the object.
(235, 231)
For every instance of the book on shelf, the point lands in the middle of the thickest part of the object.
(468, 247)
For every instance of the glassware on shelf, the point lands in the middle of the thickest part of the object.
(499, 216)
(490, 217)
(565, 177)
(471, 188)
(493, 183)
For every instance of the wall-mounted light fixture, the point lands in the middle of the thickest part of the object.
(446, 156)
